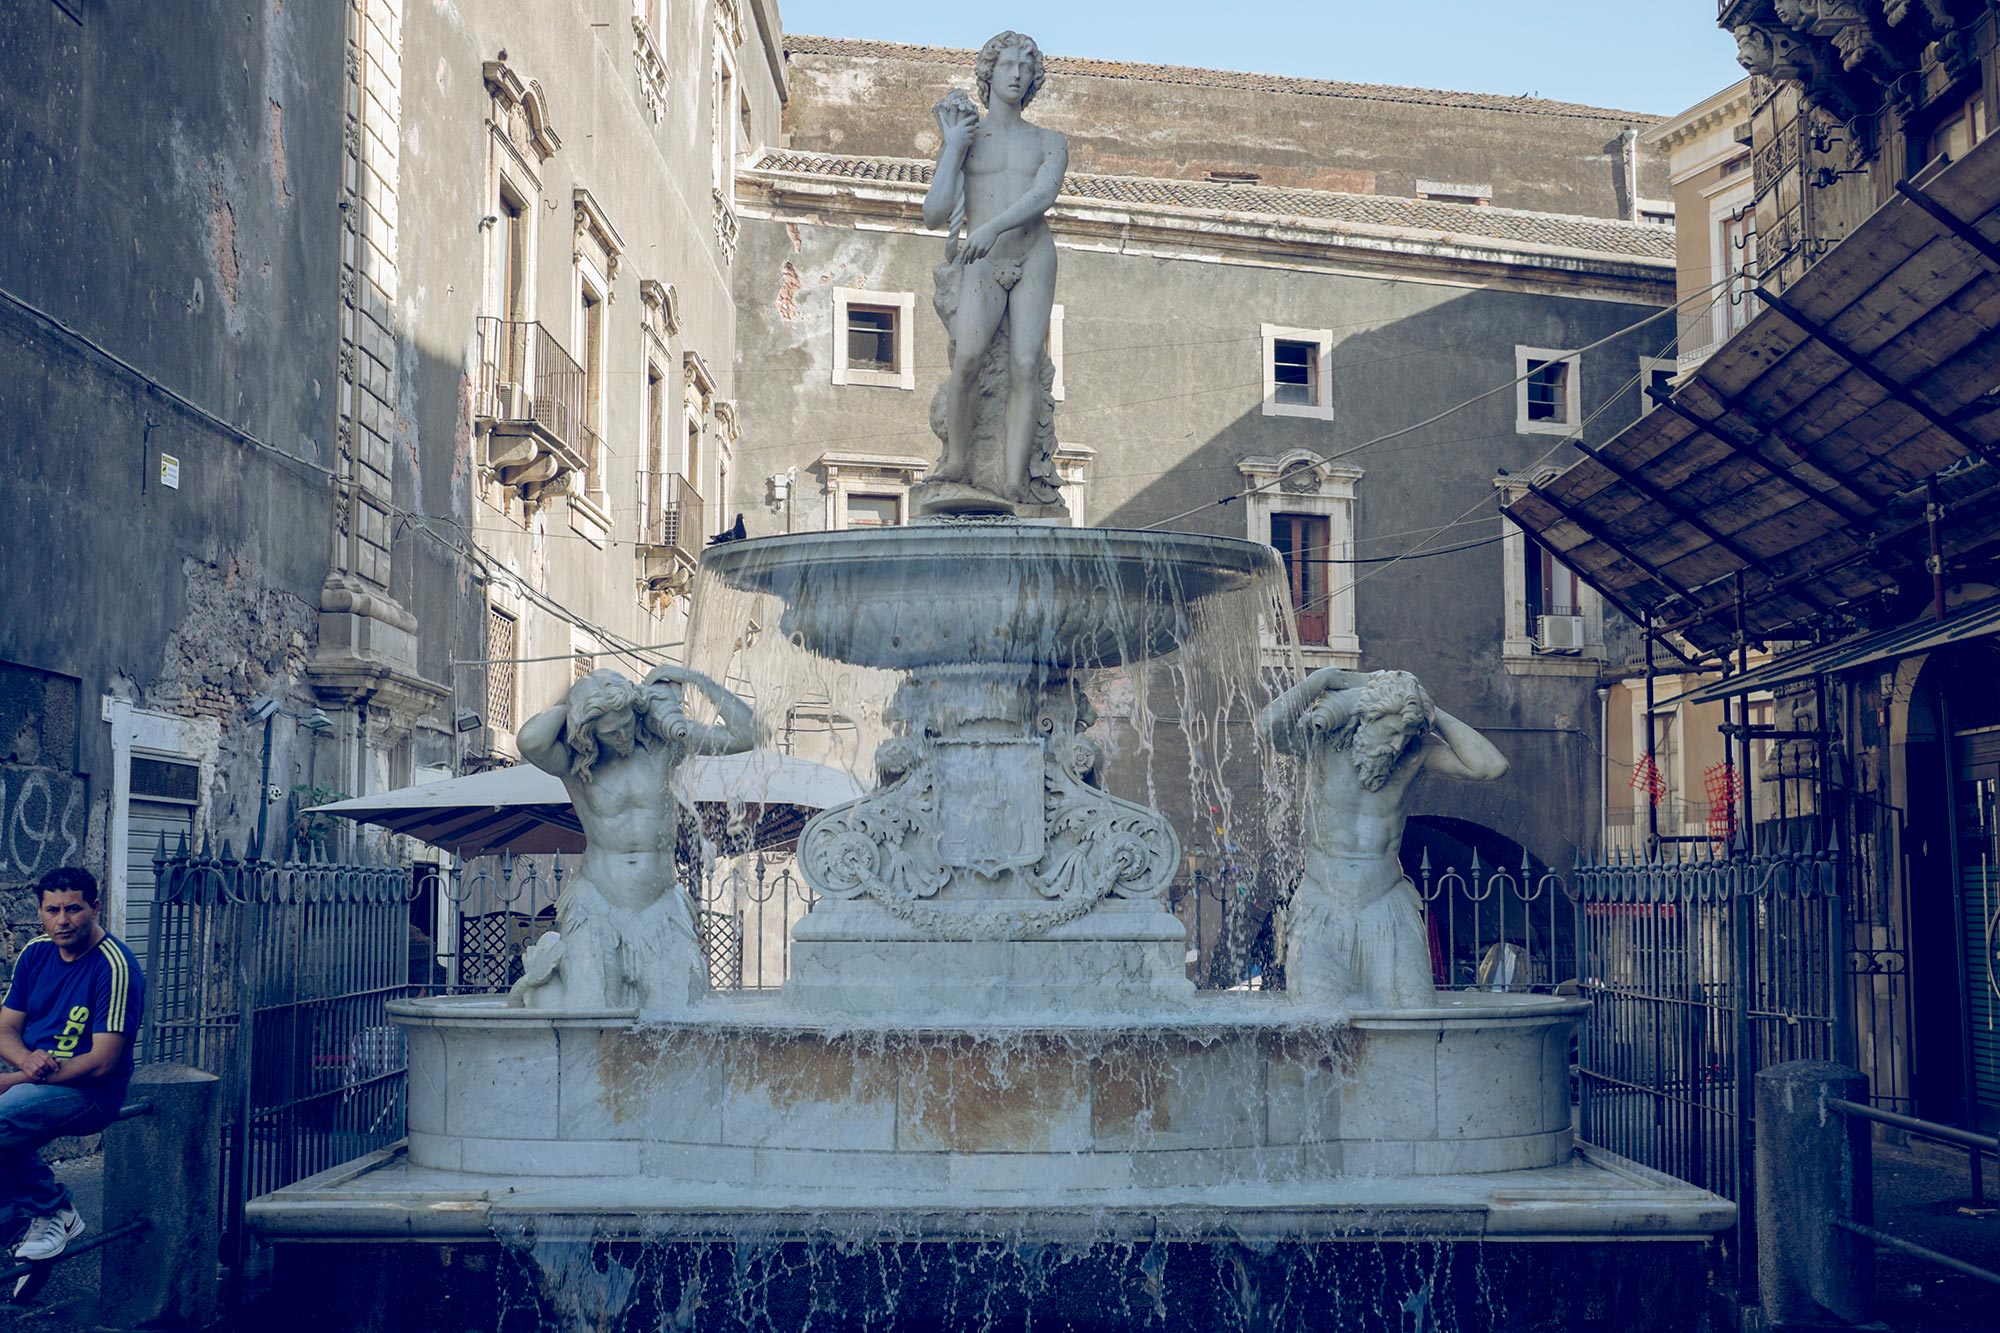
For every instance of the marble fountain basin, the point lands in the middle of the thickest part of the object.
(1231, 1089)
(989, 593)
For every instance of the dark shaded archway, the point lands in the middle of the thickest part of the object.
(1483, 890)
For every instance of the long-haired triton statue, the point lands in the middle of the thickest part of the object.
(1354, 931)
(995, 181)
(624, 934)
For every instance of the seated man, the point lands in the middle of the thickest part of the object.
(67, 1026)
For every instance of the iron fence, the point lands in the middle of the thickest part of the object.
(1702, 966)
(500, 905)
(1491, 927)
(276, 977)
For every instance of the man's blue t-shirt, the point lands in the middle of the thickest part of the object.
(68, 1003)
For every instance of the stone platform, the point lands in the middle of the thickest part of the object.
(1589, 1196)
(1592, 1243)
(1225, 1089)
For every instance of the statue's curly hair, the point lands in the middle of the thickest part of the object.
(1395, 694)
(989, 54)
(592, 699)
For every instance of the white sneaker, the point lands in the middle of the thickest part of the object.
(48, 1236)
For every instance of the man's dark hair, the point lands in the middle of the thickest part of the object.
(64, 879)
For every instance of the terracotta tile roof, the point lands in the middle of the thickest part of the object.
(796, 43)
(1596, 235)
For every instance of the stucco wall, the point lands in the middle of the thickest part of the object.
(1567, 160)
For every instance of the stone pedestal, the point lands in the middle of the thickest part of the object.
(1125, 957)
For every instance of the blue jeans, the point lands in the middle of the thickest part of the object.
(33, 1114)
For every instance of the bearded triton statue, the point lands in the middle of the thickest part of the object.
(624, 933)
(1355, 931)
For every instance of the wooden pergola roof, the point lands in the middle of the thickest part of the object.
(1797, 456)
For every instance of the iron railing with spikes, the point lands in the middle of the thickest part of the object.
(1704, 964)
(1497, 927)
(276, 975)
(500, 905)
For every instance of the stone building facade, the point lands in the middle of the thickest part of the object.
(404, 342)
(1260, 279)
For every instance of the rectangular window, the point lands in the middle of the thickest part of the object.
(873, 511)
(1962, 127)
(1552, 589)
(724, 128)
(514, 256)
(581, 664)
(1296, 369)
(590, 334)
(871, 338)
(502, 647)
(1303, 544)
(1548, 386)
(1295, 373)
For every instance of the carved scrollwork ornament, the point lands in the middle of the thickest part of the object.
(886, 847)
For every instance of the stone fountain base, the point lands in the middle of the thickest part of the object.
(1236, 1090)
(743, 1167)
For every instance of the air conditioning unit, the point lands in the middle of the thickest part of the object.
(1559, 634)
(515, 403)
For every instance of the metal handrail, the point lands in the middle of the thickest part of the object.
(1980, 1144)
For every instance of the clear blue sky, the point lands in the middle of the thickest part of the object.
(1658, 56)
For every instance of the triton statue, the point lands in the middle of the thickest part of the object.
(1354, 931)
(624, 932)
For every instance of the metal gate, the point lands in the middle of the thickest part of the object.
(1702, 967)
(276, 977)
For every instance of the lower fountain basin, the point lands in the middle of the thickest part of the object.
(1230, 1090)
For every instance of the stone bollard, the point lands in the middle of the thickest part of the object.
(1813, 1166)
(164, 1167)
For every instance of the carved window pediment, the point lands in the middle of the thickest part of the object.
(596, 239)
(522, 109)
(663, 307)
(700, 381)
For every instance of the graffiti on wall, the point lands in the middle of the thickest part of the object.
(43, 813)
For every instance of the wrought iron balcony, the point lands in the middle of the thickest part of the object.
(671, 531)
(530, 396)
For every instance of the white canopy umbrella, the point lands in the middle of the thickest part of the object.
(524, 810)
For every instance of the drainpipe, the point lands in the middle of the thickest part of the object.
(1628, 148)
(1603, 771)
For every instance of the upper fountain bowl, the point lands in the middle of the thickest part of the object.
(991, 593)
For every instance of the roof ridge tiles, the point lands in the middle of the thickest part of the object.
(1602, 235)
(806, 44)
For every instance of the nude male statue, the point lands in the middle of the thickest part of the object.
(997, 177)
(624, 934)
(1355, 933)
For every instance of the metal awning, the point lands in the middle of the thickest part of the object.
(1796, 456)
(1863, 650)
(523, 810)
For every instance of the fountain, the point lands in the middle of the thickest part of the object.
(988, 1091)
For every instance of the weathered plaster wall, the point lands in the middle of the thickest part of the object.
(1567, 161)
(652, 179)
(190, 252)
